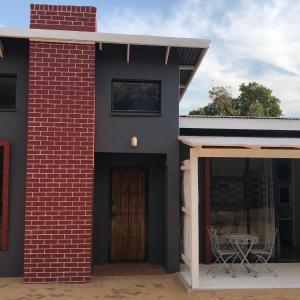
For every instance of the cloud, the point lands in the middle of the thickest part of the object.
(252, 40)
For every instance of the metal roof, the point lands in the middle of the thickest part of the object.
(188, 52)
(241, 123)
(239, 117)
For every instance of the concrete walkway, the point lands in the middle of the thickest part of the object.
(163, 287)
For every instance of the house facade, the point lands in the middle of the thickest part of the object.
(97, 167)
(89, 126)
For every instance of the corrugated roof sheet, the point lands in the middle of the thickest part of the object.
(238, 117)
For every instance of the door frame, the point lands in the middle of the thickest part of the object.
(146, 193)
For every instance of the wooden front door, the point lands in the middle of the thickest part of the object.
(128, 215)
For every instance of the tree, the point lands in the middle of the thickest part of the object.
(254, 100)
(222, 103)
(257, 100)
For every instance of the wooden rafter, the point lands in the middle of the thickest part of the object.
(128, 54)
(167, 54)
(1, 49)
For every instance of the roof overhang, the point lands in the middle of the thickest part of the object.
(219, 146)
(194, 49)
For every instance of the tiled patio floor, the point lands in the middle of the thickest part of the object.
(163, 287)
(288, 276)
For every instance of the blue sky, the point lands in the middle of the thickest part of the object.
(251, 40)
(9, 17)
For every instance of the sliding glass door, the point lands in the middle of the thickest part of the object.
(243, 196)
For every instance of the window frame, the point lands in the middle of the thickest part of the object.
(14, 108)
(132, 112)
(5, 193)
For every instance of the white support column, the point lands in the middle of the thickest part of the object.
(194, 234)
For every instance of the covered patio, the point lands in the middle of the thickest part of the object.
(262, 152)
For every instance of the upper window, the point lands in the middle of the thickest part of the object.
(4, 181)
(136, 97)
(8, 91)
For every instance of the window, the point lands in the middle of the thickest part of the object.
(284, 194)
(136, 97)
(4, 180)
(8, 91)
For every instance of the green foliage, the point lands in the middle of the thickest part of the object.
(254, 100)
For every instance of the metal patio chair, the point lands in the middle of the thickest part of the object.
(264, 254)
(235, 224)
(222, 256)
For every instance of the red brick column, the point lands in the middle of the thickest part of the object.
(60, 151)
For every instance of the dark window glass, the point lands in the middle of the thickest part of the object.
(283, 171)
(136, 97)
(7, 91)
(284, 194)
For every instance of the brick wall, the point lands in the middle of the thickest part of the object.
(76, 18)
(60, 161)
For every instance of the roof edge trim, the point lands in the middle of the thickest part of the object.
(101, 37)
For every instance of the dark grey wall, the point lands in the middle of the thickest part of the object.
(155, 167)
(157, 134)
(13, 128)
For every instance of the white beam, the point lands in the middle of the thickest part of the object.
(1, 49)
(100, 46)
(187, 67)
(128, 54)
(194, 226)
(167, 55)
(255, 153)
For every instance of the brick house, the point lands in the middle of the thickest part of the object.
(97, 167)
(89, 120)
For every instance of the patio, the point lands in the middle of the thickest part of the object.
(288, 277)
(245, 187)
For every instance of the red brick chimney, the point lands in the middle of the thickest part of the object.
(76, 18)
(60, 149)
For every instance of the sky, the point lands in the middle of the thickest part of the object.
(251, 40)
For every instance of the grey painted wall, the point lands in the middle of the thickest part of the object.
(13, 128)
(155, 165)
(158, 134)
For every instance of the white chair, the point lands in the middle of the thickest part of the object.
(222, 256)
(264, 254)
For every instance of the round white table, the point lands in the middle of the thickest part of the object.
(242, 243)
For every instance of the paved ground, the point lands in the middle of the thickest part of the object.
(163, 287)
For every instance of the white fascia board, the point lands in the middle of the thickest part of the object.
(217, 141)
(238, 123)
(100, 37)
